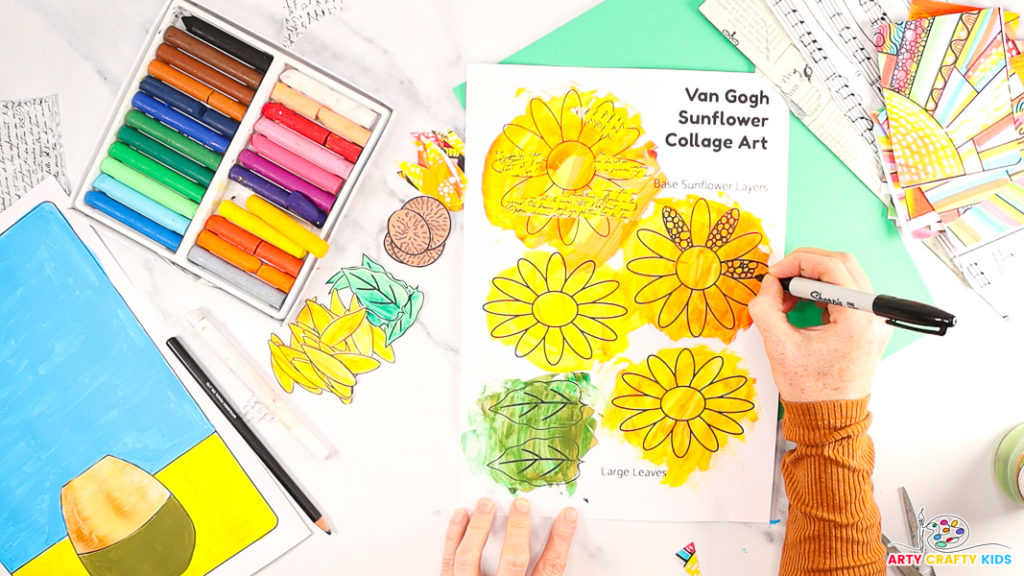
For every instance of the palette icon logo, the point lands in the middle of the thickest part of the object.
(946, 532)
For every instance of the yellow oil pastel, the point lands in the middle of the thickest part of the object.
(681, 406)
(694, 265)
(571, 172)
(560, 318)
(227, 510)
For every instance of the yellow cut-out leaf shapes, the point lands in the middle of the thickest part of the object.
(570, 173)
(682, 406)
(329, 347)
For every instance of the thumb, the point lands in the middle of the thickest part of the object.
(768, 310)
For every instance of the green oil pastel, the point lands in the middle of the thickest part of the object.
(532, 433)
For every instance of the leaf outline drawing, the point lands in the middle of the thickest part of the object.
(517, 460)
(543, 399)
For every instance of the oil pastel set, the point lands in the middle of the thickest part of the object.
(231, 157)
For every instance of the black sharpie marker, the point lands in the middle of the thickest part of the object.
(897, 311)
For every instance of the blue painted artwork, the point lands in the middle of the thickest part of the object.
(79, 379)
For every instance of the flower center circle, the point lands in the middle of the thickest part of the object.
(682, 403)
(698, 268)
(571, 165)
(555, 309)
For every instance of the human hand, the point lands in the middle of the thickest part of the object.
(834, 361)
(466, 537)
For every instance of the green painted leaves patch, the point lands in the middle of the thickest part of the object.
(540, 461)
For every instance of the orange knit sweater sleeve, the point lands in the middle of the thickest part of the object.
(834, 526)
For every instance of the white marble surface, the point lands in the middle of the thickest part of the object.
(940, 405)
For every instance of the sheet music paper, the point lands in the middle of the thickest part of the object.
(31, 146)
(302, 14)
(752, 27)
(996, 272)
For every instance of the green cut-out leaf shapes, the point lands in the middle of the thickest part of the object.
(527, 434)
(542, 404)
(540, 461)
(390, 303)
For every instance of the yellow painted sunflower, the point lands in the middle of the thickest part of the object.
(681, 406)
(569, 172)
(559, 319)
(692, 278)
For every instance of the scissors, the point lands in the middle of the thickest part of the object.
(915, 525)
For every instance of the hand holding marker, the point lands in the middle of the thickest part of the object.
(897, 311)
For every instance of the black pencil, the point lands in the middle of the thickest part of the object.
(248, 435)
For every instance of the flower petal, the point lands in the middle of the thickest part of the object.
(723, 229)
(743, 269)
(577, 341)
(525, 139)
(723, 387)
(652, 266)
(643, 384)
(514, 290)
(740, 245)
(681, 439)
(532, 276)
(637, 402)
(720, 307)
(546, 122)
(601, 310)
(529, 187)
(567, 229)
(700, 223)
(729, 405)
(661, 371)
(512, 326)
(595, 328)
(722, 422)
(615, 146)
(674, 306)
(684, 367)
(641, 420)
(530, 339)
(554, 346)
(579, 277)
(535, 223)
(555, 272)
(658, 433)
(595, 292)
(572, 123)
(658, 243)
(657, 289)
(736, 290)
(697, 313)
(601, 225)
(704, 434)
(508, 307)
(707, 373)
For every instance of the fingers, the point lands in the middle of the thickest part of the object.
(467, 555)
(452, 538)
(827, 268)
(515, 552)
(553, 560)
(769, 308)
(848, 260)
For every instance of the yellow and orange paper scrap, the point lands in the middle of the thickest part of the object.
(438, 171)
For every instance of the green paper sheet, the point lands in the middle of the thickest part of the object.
(828, 206)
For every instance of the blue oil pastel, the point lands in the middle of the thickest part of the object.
(79, 379)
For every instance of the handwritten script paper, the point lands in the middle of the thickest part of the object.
(752, 27)
(302, 14)
(31, 147)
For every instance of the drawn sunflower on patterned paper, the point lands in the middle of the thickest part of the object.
(682, 406)
(557, 318)
(692, 278)
(569, 172)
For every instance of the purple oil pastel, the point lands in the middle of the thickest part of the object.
(306, 210)
(266, 189)
(285, 179)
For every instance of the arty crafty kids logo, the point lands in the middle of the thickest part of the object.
(944, 542)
